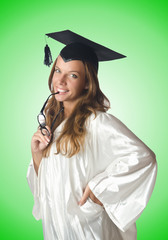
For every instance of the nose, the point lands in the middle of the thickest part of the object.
(61, 80)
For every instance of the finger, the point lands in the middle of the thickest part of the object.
(49, 130)
(47, 137)
(85, 196)
(40, 138)
(95, 199)
(43, 138)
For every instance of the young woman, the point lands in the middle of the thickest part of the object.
(91, 177)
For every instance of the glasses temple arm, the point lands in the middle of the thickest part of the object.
(47, 101)
(56, 117)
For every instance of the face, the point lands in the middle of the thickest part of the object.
(69, 80)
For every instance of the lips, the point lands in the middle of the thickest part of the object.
(62, 91)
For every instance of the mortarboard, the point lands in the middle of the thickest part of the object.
(80, 48)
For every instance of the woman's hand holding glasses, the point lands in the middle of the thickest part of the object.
(42, 137)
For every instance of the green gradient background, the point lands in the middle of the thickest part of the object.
(136, 86)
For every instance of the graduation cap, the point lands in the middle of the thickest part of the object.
(80, 48)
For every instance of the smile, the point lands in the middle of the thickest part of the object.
(62, 91)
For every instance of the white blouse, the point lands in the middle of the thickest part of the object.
(120, 170)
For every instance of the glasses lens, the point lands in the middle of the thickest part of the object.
(41, 119)
(45, 132)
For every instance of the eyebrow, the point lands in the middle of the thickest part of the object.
(68, 71)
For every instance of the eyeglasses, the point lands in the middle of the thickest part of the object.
(42, 119)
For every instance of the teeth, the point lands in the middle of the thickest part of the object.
(60, 90)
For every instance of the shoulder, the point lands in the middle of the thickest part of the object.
(104, 119)
(105, 124)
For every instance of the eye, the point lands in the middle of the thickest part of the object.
(57, 70)
(74, 75)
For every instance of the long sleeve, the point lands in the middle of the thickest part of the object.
(33, 181)
(126, 170)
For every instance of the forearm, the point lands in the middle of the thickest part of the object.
(37, 157)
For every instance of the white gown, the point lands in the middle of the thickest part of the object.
(120, 170)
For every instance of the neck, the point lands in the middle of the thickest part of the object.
(68, 110)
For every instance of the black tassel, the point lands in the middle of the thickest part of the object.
(47, 58)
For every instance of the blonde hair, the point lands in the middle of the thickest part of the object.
(73, 133)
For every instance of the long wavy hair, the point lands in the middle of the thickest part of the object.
(72, 136)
